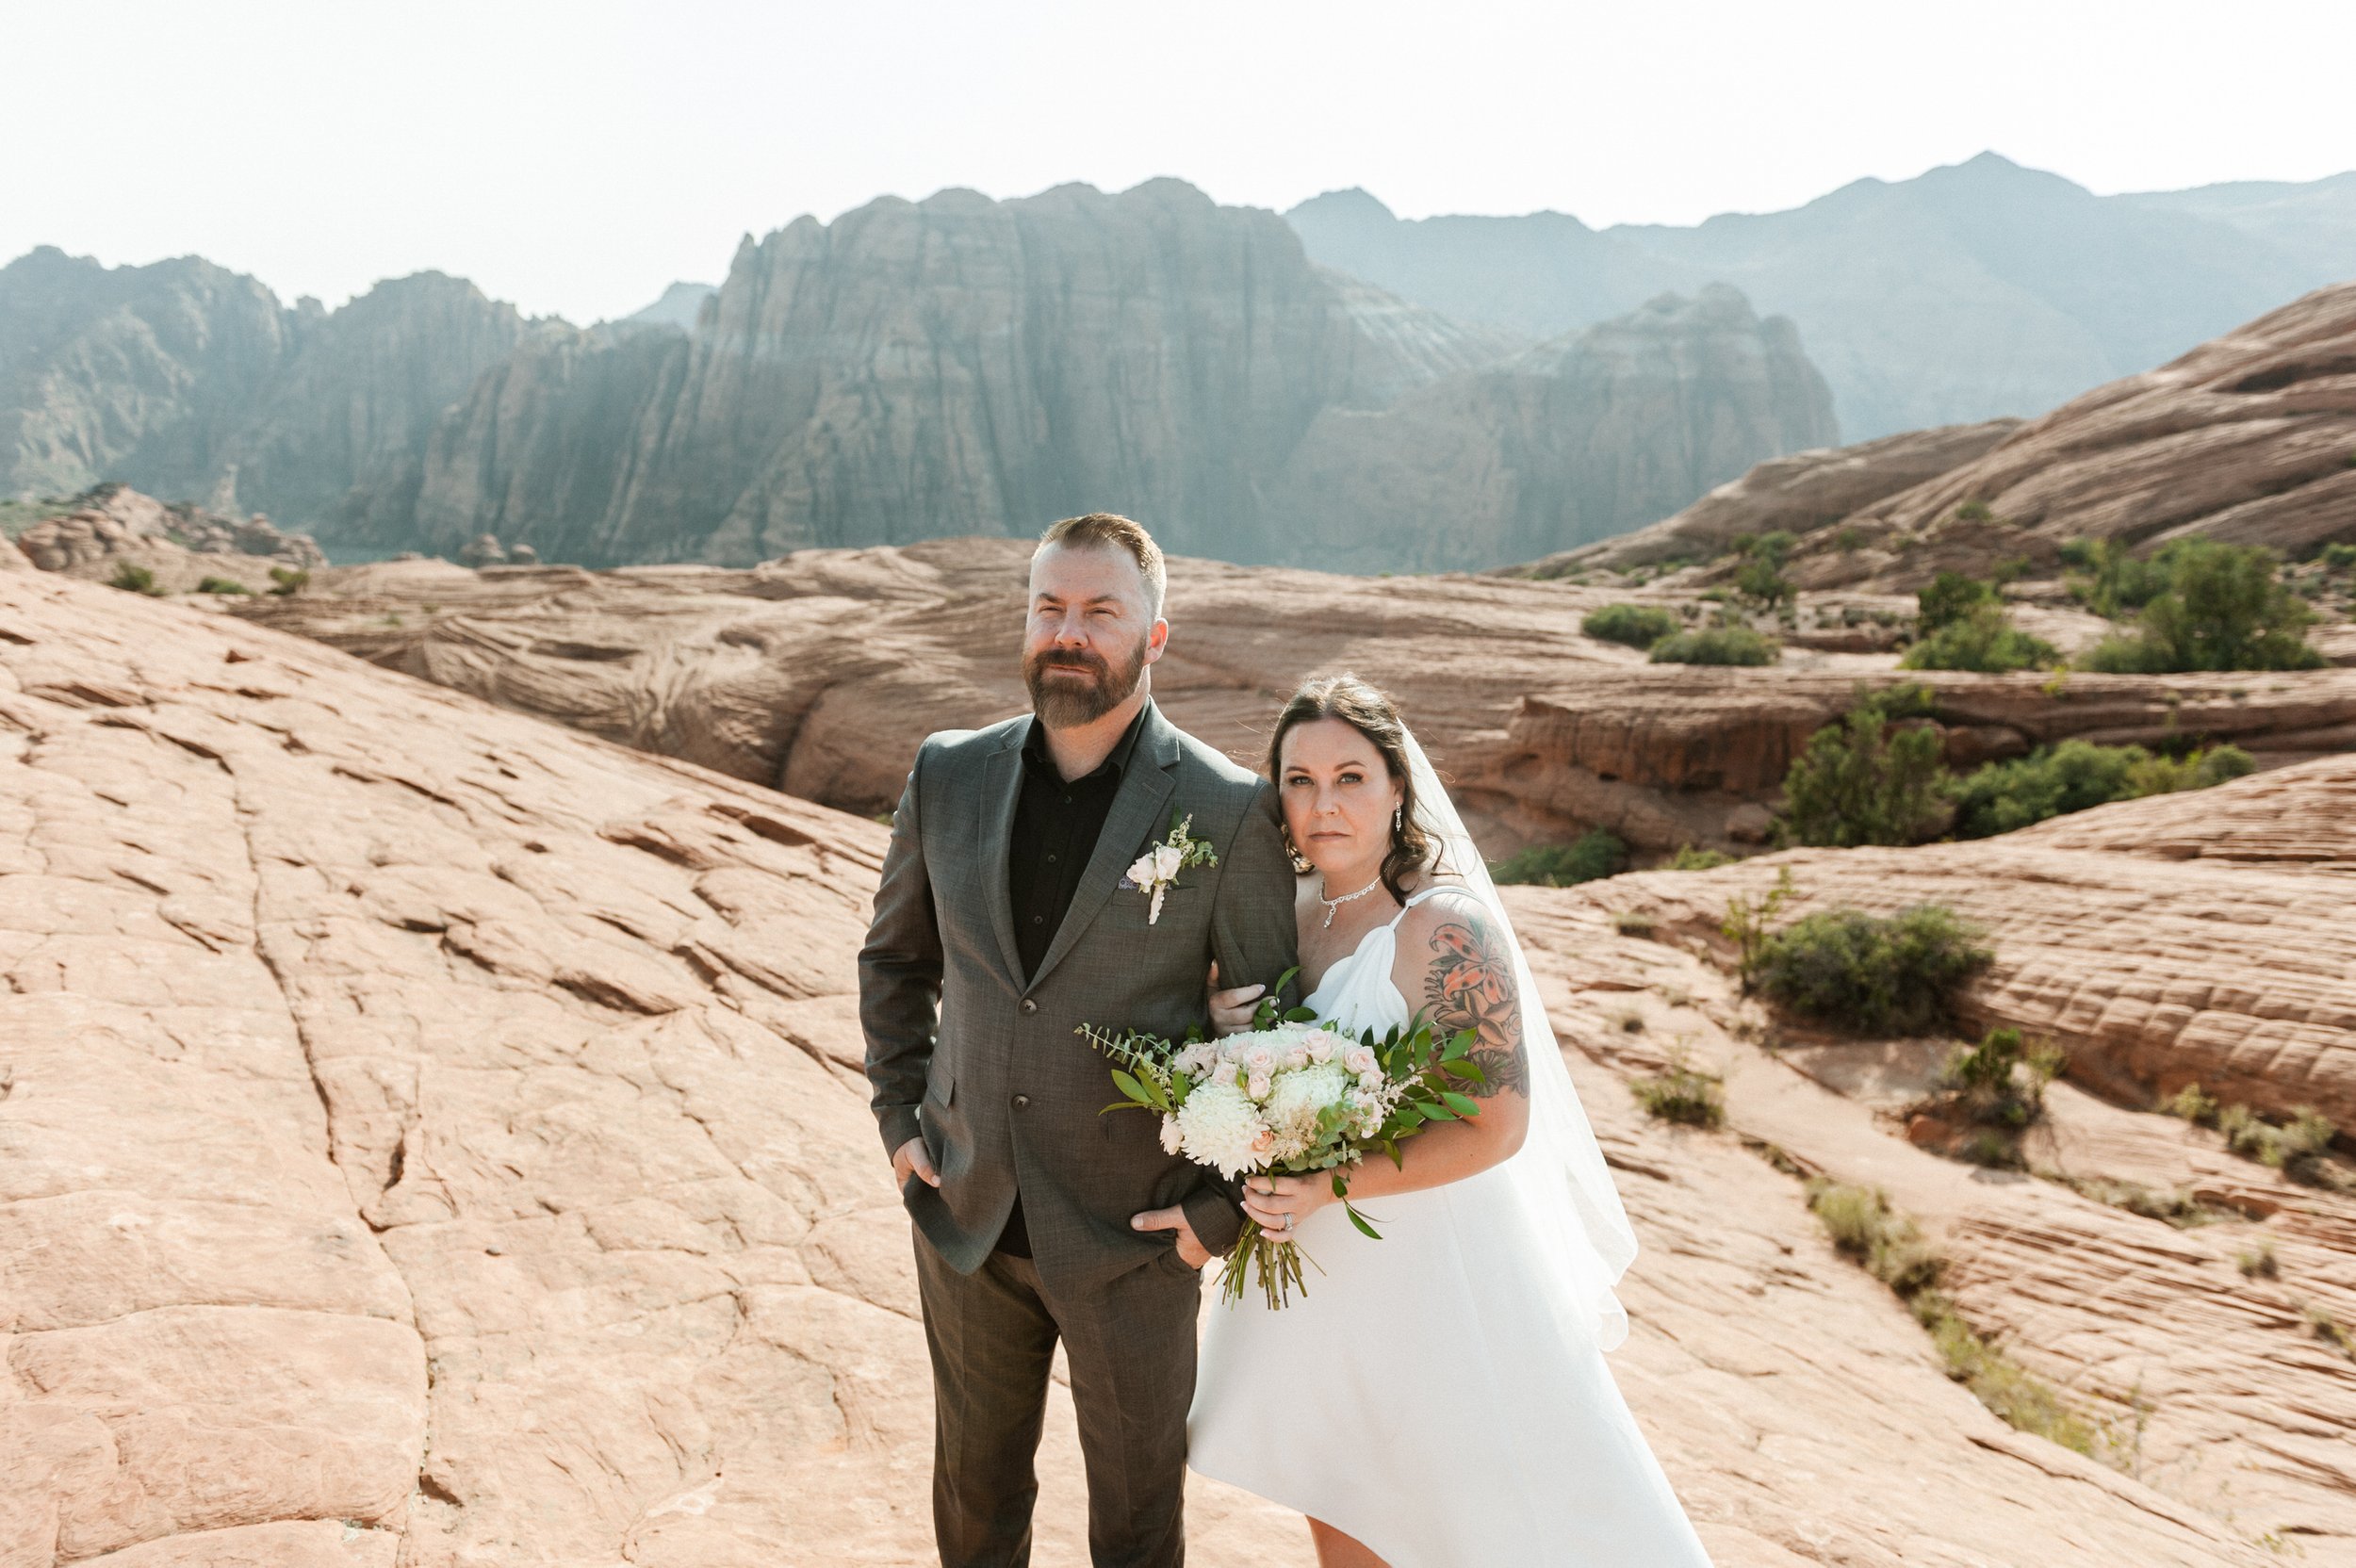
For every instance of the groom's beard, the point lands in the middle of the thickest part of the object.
(1065, 702)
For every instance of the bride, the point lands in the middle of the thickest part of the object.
(1502, 1236)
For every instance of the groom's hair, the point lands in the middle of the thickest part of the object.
(1111, 529)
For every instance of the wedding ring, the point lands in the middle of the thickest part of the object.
(1288, 1222)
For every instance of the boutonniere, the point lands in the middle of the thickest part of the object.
(1157, 871)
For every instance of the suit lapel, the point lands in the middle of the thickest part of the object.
(1140, 811)
(1002, 789)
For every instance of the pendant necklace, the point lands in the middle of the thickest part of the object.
(1332, 905)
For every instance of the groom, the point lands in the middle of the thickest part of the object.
(1004, 920)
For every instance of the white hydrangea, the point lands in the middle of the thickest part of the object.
(1222, 1129)
(1173, 1136)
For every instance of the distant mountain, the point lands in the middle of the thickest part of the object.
(676, 308)
(916, 369)
(1579, 439)
(2314, 223)
(191, 382)
(1973, 292)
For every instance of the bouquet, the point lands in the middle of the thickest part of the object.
(1291, 1097)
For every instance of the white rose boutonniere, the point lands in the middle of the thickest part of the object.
(1157, 871)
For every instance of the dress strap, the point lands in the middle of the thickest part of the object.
(1421, 893)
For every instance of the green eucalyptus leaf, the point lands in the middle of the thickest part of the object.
(1461, 1105)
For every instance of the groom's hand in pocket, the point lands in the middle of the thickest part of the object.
(914, 1159)
(1190, 1252)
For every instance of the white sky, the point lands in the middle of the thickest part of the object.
(577, 156)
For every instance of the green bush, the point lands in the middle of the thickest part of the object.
(221, 585)
(1873, 974)
(2223, 608)
(133, 579)
(2337, 558)
(2053, 782)
(1594, 855)
(2115, 580)
(1949, 598)
(1689, 859)
(290, 579)
(1974, 512)
(1717, 644)
(1681, 1095)
(1760, 575)
(1637, 625)
(1862, 781)
(1984, 639)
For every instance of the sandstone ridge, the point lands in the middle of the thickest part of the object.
(820, 672)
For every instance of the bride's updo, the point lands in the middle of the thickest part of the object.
(1370, 711)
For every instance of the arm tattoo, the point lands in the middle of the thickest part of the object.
(1470, 985)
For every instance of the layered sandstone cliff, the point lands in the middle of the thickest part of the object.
(191, 382)
(1580, 439)
(434, 1138)
(908, 372)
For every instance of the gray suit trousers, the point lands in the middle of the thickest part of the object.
(1130, 1340)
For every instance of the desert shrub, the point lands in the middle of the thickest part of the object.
(1717, 644)
(1689, 859)
(1873, 974)
(2112, 580)
(221, 585)
(133, 577)
(2177, 1206)
(2224, 607)
(1637, 625)
(1868, 778)
(1627, 922)
(2053, 782)
(2192, 1103)
(289, 579)
(2019, 1397)
(1997, 1087)
(1861, 1224)
(1745, 924)
(1592, 854)
(2259, 1262)
(1760, 575)
(1849, 540)
(1949, 598)
(1983, 639)
(1974, 512)
(2337, 558)
(1681, 1095)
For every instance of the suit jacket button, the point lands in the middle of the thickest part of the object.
(1028, 1007)
(1020, 1101)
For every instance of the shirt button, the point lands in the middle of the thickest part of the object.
(1038, 920)
(1051, 859)
(1027, 1006)
(1067, 800)
(1020, 1101)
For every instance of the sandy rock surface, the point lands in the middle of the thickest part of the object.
(431, 1138)
(820, 672)
(2155, 958)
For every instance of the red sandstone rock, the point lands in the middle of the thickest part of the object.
(430, 1136)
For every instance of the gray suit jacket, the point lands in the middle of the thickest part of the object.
(990, 1070)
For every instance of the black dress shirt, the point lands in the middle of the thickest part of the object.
(1056, 824)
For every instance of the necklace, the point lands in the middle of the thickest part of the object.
(1332, 905)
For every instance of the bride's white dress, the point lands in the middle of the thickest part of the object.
(1432, 1395)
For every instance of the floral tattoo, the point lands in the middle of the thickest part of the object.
(1470, 985)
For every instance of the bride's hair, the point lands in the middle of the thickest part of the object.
(1371, 712)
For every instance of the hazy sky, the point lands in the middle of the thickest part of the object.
(575, 157)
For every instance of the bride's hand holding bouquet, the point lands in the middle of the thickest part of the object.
(1294, 1101)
